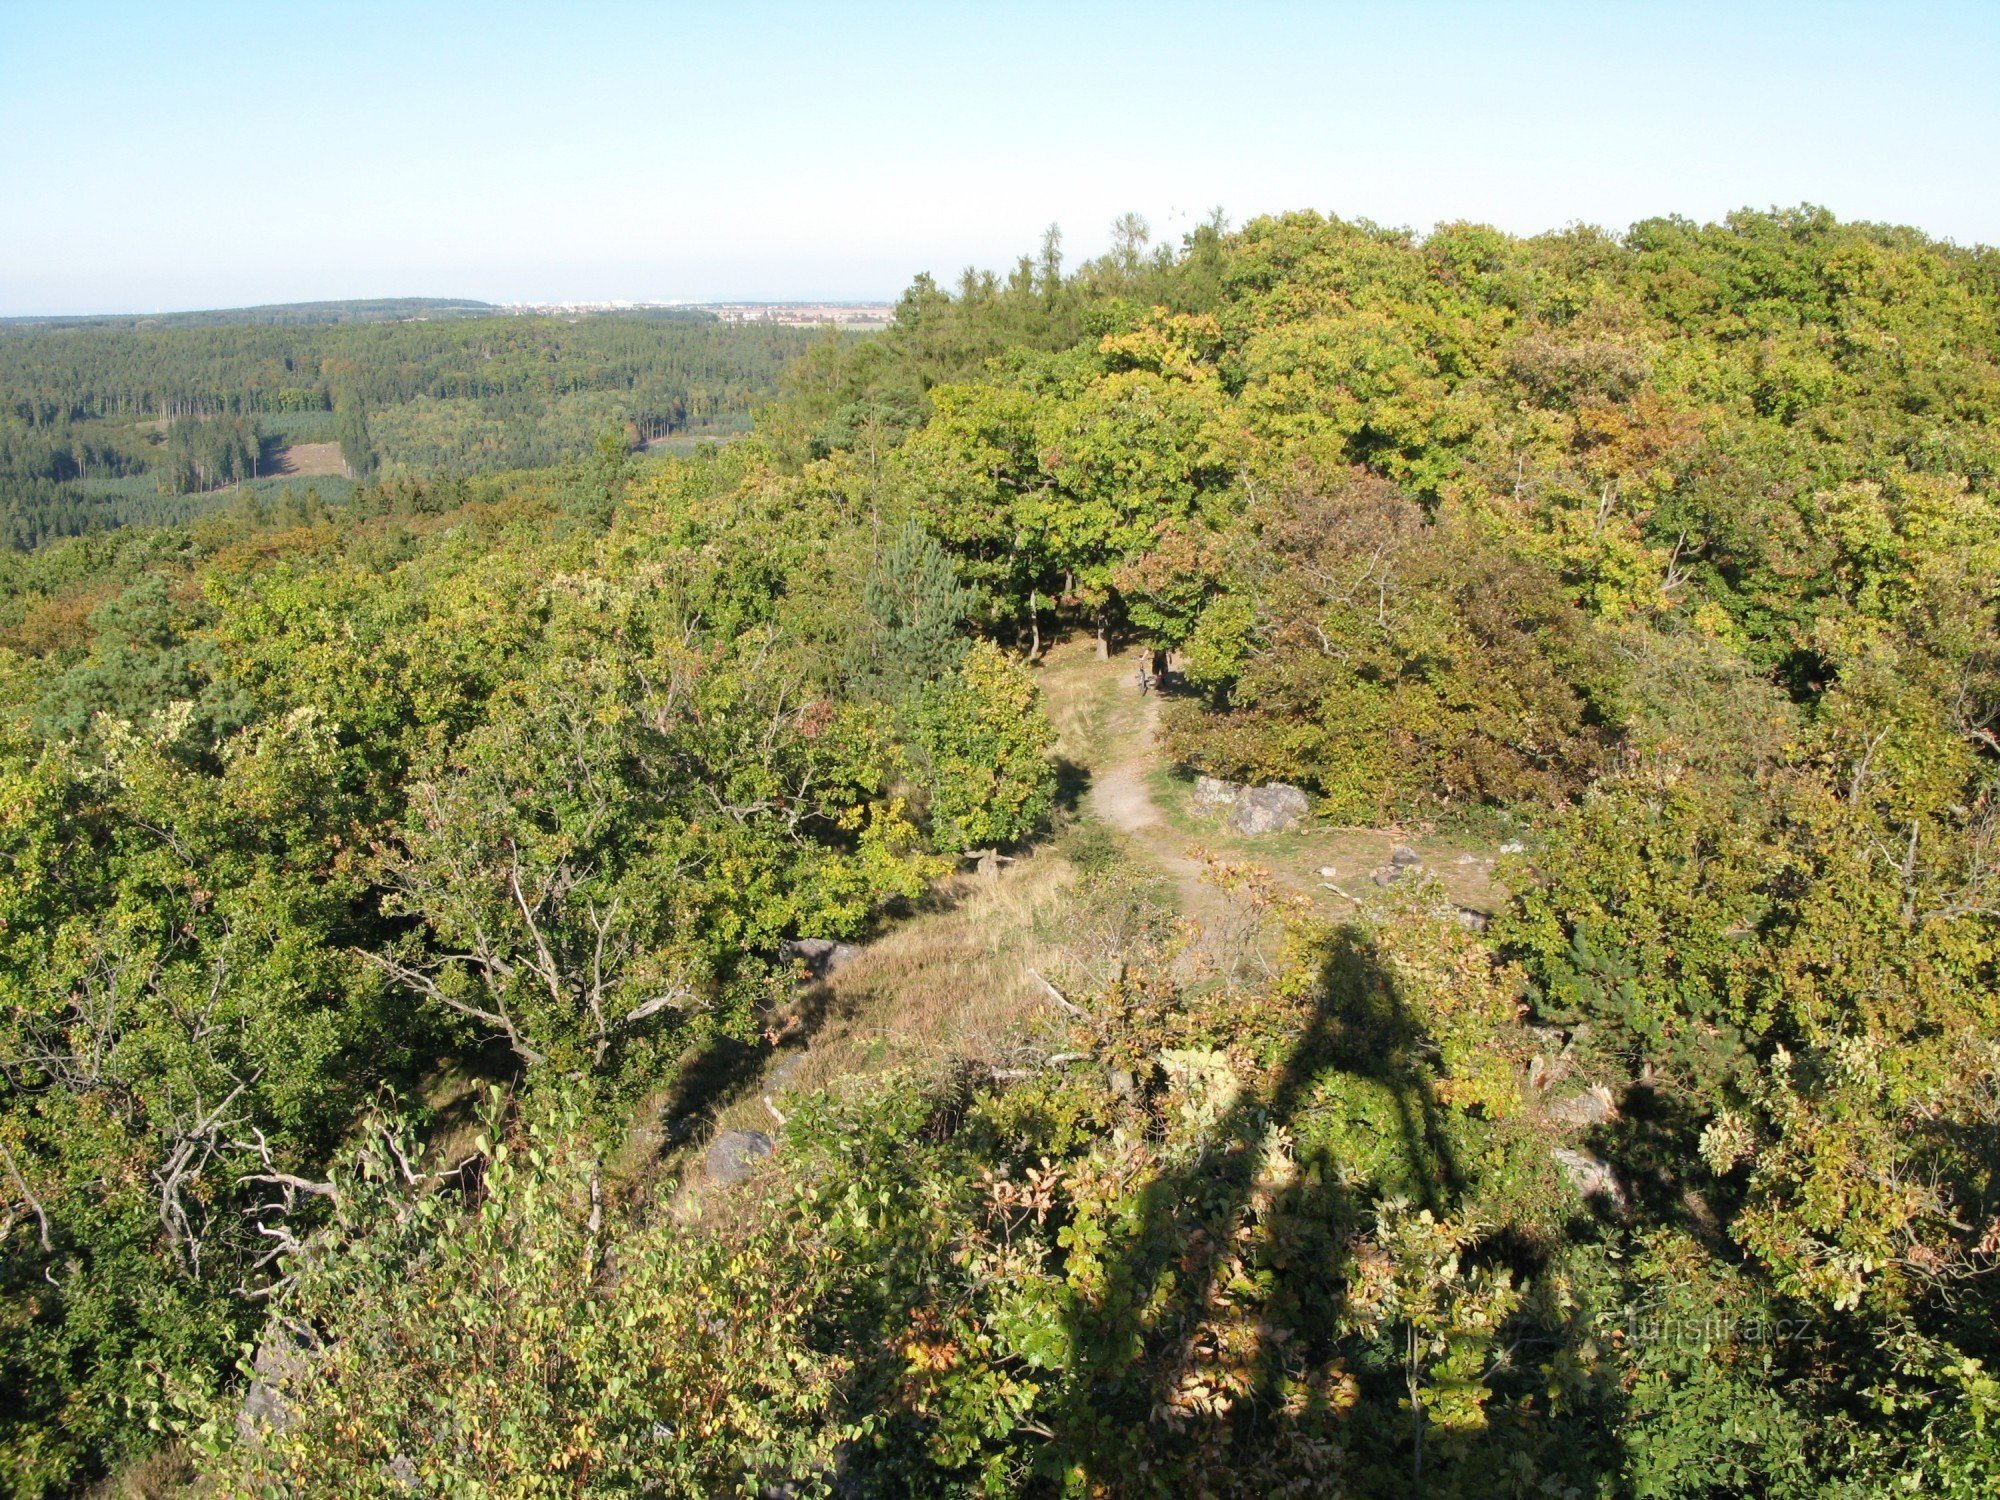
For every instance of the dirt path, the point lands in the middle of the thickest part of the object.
(1118, 791)
(1121, 794)
(968, 976)
(1125, 759)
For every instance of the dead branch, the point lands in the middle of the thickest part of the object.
(34, 1203)
(421, 981)
(1058, 997)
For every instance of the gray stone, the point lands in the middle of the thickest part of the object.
(1513, 846)
(1404, 857)
(1476, 921)
(1212, 795)
(1589, 1175)
(819, 956)
(282, 1355)
(733, 1154)
(1268, 809)
(780, 1077)
(1121, 1083)
(1386, 874)
(1594, 1106)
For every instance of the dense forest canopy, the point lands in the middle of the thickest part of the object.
(392, 894)
(425, 393)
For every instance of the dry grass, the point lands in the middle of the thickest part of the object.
(951, 985)
(1463, 864)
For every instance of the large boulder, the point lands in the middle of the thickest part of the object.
(733, 1154)
(1276, 808)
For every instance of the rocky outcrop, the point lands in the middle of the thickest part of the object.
(1276, 808)
(1212, 795)
(283, 1354)
(1594, 1106)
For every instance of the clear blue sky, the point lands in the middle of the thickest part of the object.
(167, 155)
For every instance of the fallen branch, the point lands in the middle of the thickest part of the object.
(1058, 997)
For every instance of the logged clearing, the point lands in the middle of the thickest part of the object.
(308, 461)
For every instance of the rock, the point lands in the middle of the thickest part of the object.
(1513, 846)
(1404, 857)
(1121, 1083)
(820, 956)
(1328, 872)
(733, 1154)
(1477, 921)
(1466, 859)
(1211, 795)
(780, 1077)
(1594, 1106)
(282, 1355)
(1385, 875)
(1268, 809)
(1589, 1175)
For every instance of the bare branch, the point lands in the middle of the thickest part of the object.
(420, 981)
(678, 995)
(34, 1203)
(1057, 996)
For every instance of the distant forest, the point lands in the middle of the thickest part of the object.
(287, 314)
(115, 422)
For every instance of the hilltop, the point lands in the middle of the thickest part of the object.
(1317, 861)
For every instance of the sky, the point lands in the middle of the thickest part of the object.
(164, 156)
